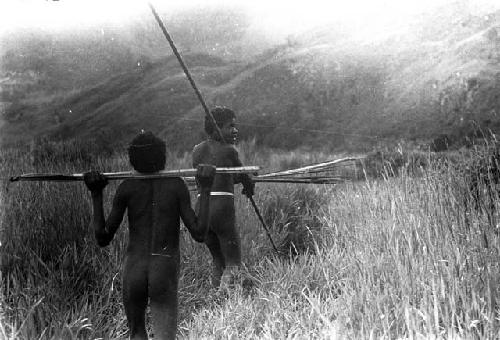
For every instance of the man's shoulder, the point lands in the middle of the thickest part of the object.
(214, 151)
(124, 188)
(200, 149)
(201, 145)
(225, 151)
(222, 147)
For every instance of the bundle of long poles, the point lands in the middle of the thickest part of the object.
(311, 169)
(292, 180)
(317, 173)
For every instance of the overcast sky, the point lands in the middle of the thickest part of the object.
(272, 15)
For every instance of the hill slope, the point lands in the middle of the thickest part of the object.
(319, 89)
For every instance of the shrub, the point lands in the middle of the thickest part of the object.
(295, 214)
(384, 164)
(440, 143)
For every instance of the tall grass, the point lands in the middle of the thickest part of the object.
(400, 257)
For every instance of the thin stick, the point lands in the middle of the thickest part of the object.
(131, 174)
(263, 223)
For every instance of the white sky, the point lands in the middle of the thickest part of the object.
(273, 15)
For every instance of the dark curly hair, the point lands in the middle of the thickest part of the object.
(221, 115)
(146, 153)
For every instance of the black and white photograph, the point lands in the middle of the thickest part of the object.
(266, 169)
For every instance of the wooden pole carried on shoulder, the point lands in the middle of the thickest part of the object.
(131, 174)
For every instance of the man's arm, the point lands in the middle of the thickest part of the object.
(198, 225)
(245, 179)
(103, 230)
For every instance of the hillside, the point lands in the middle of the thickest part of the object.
(85, 55)
(321, 88)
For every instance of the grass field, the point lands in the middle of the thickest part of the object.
(388, 258)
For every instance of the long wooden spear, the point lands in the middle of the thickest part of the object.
(204, 105)
(186, 70)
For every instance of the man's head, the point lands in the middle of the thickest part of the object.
(146, 153)
(226, 121)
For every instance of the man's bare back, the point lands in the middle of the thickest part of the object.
(154, 210)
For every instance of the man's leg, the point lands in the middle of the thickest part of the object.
(163, 283)
(135, 296)
(231, 249)
(227, 247)
(213, 245)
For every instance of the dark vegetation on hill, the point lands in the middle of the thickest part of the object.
(438, 81)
